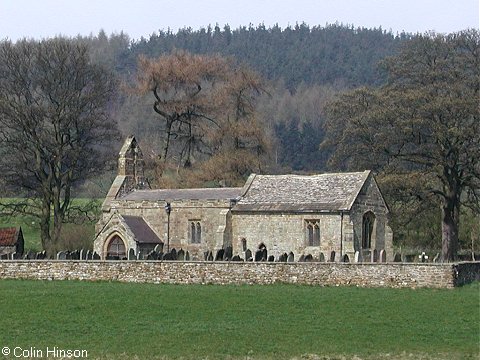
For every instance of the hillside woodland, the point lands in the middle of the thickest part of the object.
(210, 106)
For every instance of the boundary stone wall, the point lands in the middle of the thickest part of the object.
(394, 275)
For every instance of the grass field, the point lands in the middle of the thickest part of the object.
(147, 321)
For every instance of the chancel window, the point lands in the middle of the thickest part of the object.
(367, 229)
(195, 232)
(313, 232)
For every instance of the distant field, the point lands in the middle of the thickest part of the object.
(31, 229)
(146, 321)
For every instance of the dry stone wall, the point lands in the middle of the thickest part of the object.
(175, 272)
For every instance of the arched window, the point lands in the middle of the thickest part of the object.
(316, 235)
(367, 229)
(313, 233)
(198, 236)
(195, 232)
(116, 248)
(310, 234)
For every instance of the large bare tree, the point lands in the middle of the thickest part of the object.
(424, 122)
(207, 107)
(54, 120)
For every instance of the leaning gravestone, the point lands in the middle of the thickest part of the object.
(291, 257)
(159, 248)
(383, 256)
(95, 256)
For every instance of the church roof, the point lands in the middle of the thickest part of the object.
(184, 194)
(312, 193)
(142, 231)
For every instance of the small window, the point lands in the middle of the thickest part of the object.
(367, 229)
(313, 233)
(195, 232)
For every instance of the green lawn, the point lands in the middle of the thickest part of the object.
(147, 321)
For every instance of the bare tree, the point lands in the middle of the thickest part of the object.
(53, 123)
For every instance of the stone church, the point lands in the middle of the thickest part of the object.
(329, 216)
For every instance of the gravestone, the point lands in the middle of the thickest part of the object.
(436, 258)
(181, 255)
(174, 254)
(374, 256)
(160, 256)
(291, 257)
(321, 257)
(219, 255)
(187, 256)
(89, 255)
(265, 254)
(248, 255)
(236, 258)
(210, 256)
(95, 256)
(358, 257)
(283, 257)
(397, 257)
(308, 258)
(228, 253)
(383, 256)
(4, 257)
(205, 255)
(302, 258)
(76, 255)
(152, 255)
(271, 258)
(83, 254)
(332, 256)
(167, 257)
(259, 255)
(131, 254)
(345, 258)
(140, 255)
(159, 248)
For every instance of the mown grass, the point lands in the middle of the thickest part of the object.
(148, 321)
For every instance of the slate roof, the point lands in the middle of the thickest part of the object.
(9, 236)
(142, 231)
(312, 193)
(184, 194)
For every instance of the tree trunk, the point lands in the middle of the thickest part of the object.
(450, 219)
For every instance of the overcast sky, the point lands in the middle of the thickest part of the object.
(47, 18)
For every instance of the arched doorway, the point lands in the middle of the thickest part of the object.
(116, 248)
(368, 225)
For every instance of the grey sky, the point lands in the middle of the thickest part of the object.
(47, 18)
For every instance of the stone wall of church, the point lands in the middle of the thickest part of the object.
(370, 199)
(393, 275)
(211, 214)
(284, 233)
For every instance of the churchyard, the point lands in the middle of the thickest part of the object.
(112, 320)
